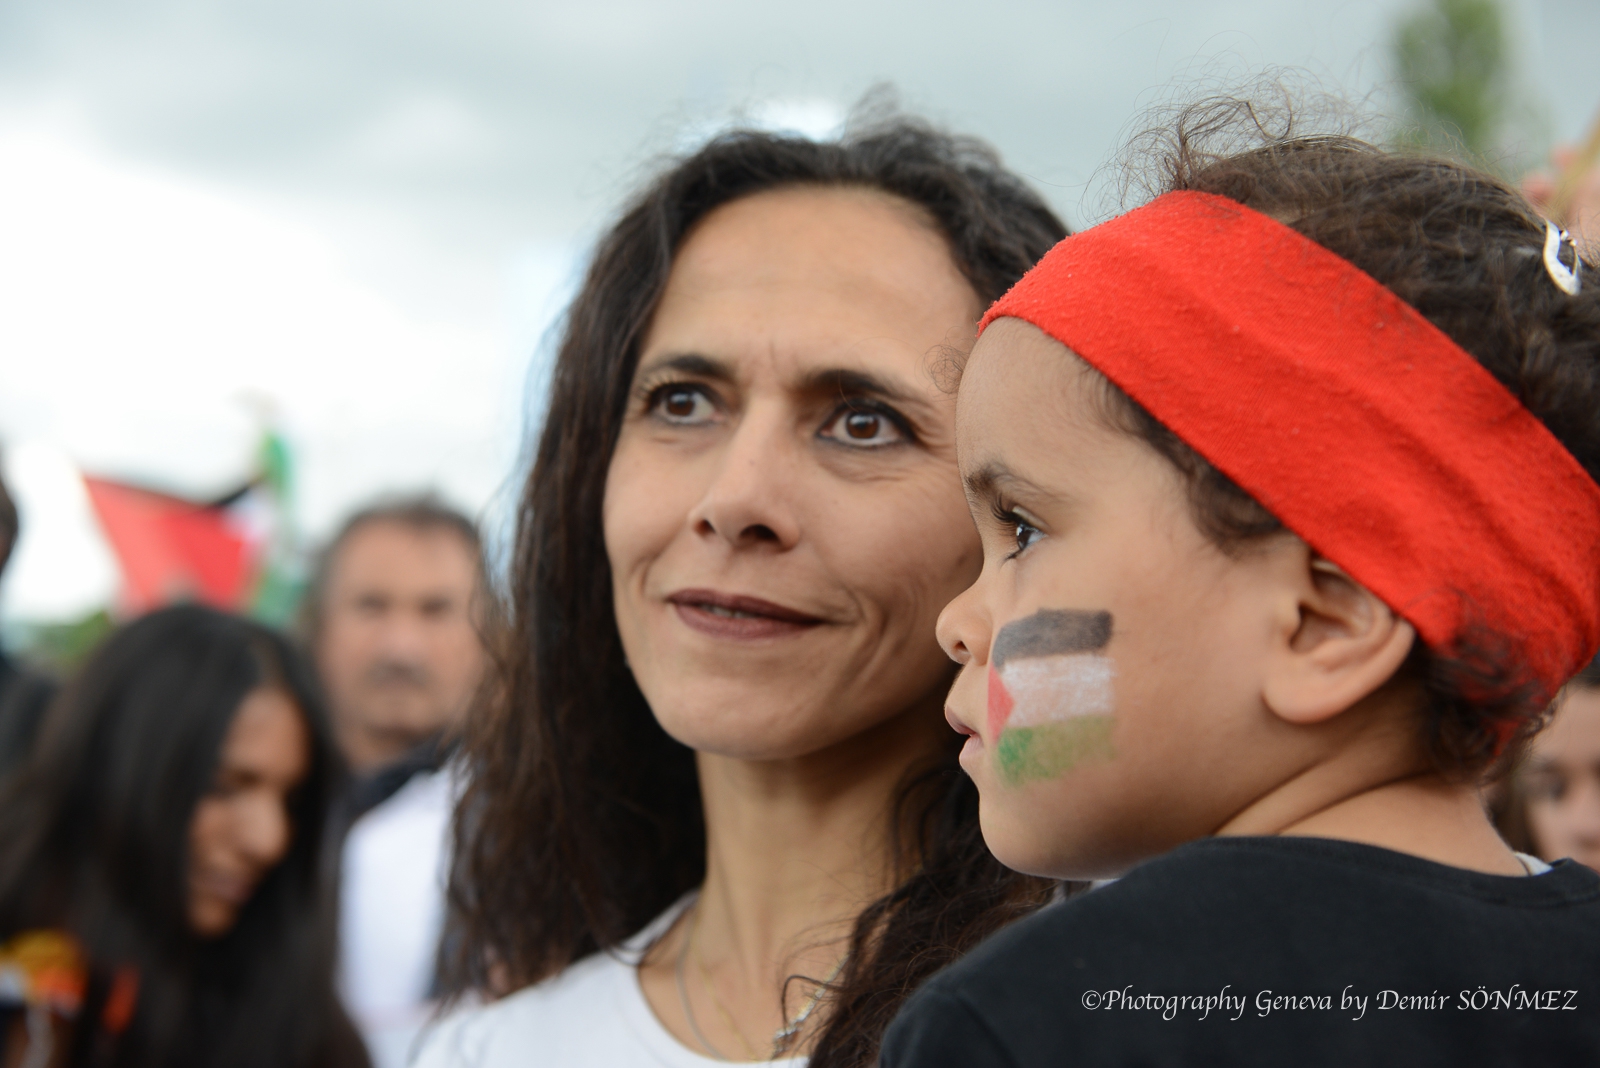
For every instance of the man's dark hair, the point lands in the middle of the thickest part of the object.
(422, 512)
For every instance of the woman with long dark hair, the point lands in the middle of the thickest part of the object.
(164, 891)
(717, 812)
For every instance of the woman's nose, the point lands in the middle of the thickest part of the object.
(750, 499)
(262, 830)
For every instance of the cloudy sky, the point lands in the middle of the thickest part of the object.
(357, 219)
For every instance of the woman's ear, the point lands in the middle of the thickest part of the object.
(1341, 645)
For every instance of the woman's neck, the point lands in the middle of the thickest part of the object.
(795, 850)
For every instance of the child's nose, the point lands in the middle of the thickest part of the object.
(963, 628)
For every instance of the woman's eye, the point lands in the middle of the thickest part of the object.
(682, 405)
(854, 426)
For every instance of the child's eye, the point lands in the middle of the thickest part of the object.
(1025, 532)
(863, 428)
(1022, 531)
(681, 404)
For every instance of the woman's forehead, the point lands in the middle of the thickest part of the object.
(846, 264)
(785, 231)
(268, 735)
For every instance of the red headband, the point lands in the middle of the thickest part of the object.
(1350, 417)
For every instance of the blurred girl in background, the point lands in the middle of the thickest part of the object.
(1551, 805)
(164, 891)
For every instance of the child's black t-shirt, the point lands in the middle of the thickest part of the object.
(1310, 951)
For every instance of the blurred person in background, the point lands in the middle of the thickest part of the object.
(717, 814)
(395, 615)
(165, 895)
(1581, 212)
(1550, 807)
(23, 693)
(393, 626)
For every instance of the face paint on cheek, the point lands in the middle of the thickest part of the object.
(1051, 694)
(1000, 703)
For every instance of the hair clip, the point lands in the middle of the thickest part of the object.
(1566, 278)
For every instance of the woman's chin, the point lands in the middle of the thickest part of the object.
(211, 919)
(744, 741)
(778, 732)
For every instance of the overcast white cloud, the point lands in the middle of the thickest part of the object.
(367, 211)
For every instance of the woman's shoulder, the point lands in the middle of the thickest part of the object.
(571, 1018)
(591, 1013)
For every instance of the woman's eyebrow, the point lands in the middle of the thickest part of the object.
(853, 382)
(689, 363)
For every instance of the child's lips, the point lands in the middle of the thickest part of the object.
(972, 751)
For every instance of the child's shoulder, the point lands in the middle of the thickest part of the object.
(1283, 898)
(1244, 921)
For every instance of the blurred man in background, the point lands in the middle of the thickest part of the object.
(23, 694)
(395, 617)
(395, 630)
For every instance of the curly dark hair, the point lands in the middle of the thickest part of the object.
(583, 819)
(1463, 248)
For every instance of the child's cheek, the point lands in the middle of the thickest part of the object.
(1051, 695)
(1050, 715)
(1000, 706)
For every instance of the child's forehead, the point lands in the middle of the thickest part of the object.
(1021, 384)
(1032, 429)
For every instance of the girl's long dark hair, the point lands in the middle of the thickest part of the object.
(583, 821)
(94, 831)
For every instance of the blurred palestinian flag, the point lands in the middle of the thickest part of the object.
(235, 552)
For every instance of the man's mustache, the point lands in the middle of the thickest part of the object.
(398, 673)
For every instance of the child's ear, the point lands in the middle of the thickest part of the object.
(1342, 644)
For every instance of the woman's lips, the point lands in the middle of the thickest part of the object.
(738, 618)
(233, 889)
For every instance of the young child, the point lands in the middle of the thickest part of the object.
(1551, 805)
(1286, 482)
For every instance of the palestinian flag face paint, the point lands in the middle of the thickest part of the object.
(1050, 693)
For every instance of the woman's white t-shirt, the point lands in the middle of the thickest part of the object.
(593, 1015)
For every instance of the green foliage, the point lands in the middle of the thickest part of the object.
(61, 647)
(1454, 63)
